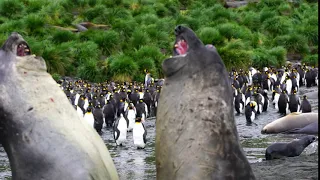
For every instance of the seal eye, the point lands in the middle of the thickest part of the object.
(23, 49)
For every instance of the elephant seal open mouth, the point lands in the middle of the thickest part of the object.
(40, 130)
(196, 135)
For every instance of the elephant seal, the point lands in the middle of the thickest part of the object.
(290, 121)
(40, 130)
(196, 136)
(292, 149)
(309, 129)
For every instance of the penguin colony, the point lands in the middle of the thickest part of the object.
(251, 88)
(122, 107)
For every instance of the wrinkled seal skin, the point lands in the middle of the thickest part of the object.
(196, 136)
(291, 121)
(40, 130)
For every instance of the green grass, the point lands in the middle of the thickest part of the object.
(141, 33)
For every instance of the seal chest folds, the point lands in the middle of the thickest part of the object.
(196, 136)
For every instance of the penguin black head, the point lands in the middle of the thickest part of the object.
(305, 97)
(294, 91)
(138, 119)
(141, 100)
(89, 110)
(98, 105)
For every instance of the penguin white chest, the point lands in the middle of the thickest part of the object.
(79, 112)
(122, 127)
(138, 135)
(88, 117)
(131, 117)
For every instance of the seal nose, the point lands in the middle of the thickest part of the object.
(263, 131)
(178, 29)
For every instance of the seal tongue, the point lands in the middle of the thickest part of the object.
(181, 47)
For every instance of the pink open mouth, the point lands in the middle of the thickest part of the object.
(23, 49)
(181, 47)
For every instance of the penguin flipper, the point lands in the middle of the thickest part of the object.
(116, 134)
(144, 134)
(127, 120)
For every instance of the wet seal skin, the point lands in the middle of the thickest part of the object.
(40, 130)
(292, 149)
(196, 135)
(289, 122)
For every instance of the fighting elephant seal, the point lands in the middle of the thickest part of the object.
(289, 122)
(292, 149)
(196, 135)
(40, 130)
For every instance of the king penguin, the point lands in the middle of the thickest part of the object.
(294, 102)
(305, 105)
(283, 103)
(120, 130)
(131, 115)
(139, 134)
(88, 117)
(251, 111)
(98, 117)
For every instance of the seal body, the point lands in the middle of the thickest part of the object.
(290, 121)
(292, 149)
(309, 129)
(196, 136)
(44, 138)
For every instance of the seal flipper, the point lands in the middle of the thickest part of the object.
(172, 65)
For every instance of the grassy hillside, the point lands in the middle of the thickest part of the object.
(129, 36)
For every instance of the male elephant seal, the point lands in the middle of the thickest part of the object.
(292, 149)
(289, 122)
(40, 130)
(196, 136)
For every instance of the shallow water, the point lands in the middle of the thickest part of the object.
(134, 164)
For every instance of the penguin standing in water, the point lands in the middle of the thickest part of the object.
(266, 101)
(239, 102)
(109, 113)
(283, 103)
(88, 117)
(98, 117)
(288, 85)
(147, 98)
(305, 105)
(141, 110)
(294, 102)
(250, 111)
(131, 115)
(139, 134)
(120, 130)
